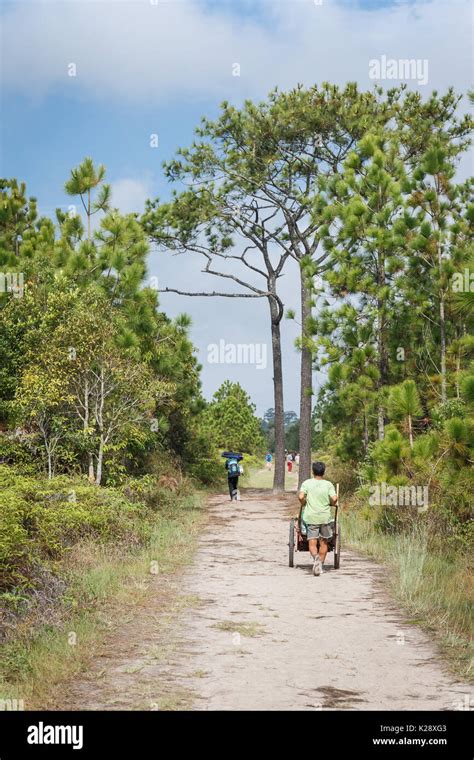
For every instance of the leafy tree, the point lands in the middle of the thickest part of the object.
(76, 379)
(252, 180)
(383, 283)
(231, 417)
(123, 396)
(42, 404)
(88, 362)
(292, 436)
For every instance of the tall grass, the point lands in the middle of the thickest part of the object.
(436, 588)
(257, 476)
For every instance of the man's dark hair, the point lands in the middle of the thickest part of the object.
(319, 468)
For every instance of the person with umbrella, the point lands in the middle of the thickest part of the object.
(232, 459)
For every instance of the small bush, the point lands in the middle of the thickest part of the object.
(41, 520)
(14, 450)
(207, 470)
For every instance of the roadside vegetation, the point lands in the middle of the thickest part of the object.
(79, 561)
(433, 585)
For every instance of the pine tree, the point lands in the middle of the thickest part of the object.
(231, 416)
(438, 248)
(365, 206)
(84, 179)
(18, 215)
(404, 403)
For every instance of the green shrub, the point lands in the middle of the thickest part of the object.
(41, 520)
(15, 552)
(339, 472)
(425, 447)
(207, 470)
(453, 407)
(391, 451)
(14, 451)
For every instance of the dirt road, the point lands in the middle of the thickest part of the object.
(254, 634)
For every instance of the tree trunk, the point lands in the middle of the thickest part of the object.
(100, 459)
(100, 423)
(305, 390)
(410, 431)
(458, 369)
(366, 434)
(279, 472)
(48, 449)
(442, 325)
(442, 330)
(86, 425)
(381, 345)
(381, 423)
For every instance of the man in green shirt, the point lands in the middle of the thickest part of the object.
(317, 496)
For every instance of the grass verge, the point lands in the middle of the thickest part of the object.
(260, 477)
(435, 589)
(105, 584)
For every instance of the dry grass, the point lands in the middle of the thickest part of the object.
(436, 589)
(245, 629)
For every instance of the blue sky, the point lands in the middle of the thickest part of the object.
(148, 67)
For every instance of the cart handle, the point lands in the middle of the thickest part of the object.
(337, 503)
(300, 517)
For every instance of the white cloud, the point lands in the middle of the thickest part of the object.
(130, 194)
(140, 51)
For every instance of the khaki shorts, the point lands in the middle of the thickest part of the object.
(319, 531)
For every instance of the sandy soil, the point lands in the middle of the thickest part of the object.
(255, 634)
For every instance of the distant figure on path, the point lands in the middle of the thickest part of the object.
(289, 462)
(268, 460)
(233, 471)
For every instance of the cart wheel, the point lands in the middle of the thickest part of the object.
(337, 547)
(291, 544)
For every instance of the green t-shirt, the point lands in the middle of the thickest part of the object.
(317, 510)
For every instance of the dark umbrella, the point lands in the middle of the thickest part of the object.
(232, 455)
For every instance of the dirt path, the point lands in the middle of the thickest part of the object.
(255, 634)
